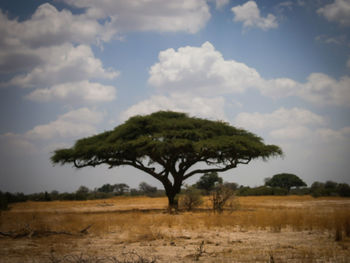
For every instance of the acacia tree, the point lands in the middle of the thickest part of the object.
(285, 180)
(169, 146)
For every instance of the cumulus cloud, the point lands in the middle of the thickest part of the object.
(301, 134)
(76, 123)
(319, 89)
(153, 15)
(55, 134)
(295, 117)
(84, 91)
(299, 125)
(338, 11)
(64, 63)
(212, 108)
(200, 69)
(48, 27)
(322, 89)
(49, 52)
(342, 134)
(291, 133)
(203, 70)
(249, 15)
(14, 144)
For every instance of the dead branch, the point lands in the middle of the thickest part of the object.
(85, 230)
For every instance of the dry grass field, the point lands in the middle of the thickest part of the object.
(138, 229)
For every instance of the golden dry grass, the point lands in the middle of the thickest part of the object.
(301, 226)
(262, 213)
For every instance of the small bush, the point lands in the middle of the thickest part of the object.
(262, 190)
(190, 198)
(3, 202)
(223, 196)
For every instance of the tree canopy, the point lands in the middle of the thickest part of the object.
(285, 180)
(208, 181)
(168, 146)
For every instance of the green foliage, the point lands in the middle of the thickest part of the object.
(3, 202)
(147, 189)
(164, 134)
(261, 190)
(343, 190)
(166, 144)
(285, 180)
(329, 188)
(8, 198)
(106, 188)
(116, 189)
(190, 198)
(209, 181)
(82, 193)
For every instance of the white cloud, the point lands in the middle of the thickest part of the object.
(15, 144)
(322, 89)
(203, 70)
(338, 11)
(200, 69)
(309, 146)
(319, 89)
(64, 63)
(249, 14)
(212, 108)
(76, 123)
(152, 15)
(219, 4)
(334, 135)
(45, 138)
(295, 117)
(335, 40)
(49, 52)
(282, 124)
(83, 91)
(291, 133)
(48, 26)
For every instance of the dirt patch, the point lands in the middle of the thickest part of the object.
(220, 245)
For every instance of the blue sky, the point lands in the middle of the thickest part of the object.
(73, 68)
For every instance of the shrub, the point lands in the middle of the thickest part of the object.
(190, 198)
(262, 190)
(343, 190)
(223, 196)
(3, 202)
(147, 189)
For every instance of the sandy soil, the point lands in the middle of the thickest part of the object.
(220, 245)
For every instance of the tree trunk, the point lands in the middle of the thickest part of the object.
(173, 202)
(171, 192)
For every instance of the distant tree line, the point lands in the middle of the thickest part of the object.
(83, 193)
(279, 184)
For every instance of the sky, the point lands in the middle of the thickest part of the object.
(74, 68)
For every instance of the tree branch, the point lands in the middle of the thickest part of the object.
(209, 170)
(232, 164)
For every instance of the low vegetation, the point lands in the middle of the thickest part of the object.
(279, 185)
(287, 228)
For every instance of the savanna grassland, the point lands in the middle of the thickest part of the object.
(138, 229)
